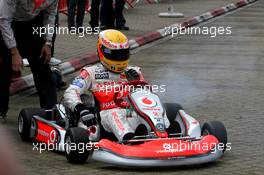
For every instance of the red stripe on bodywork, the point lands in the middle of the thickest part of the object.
(161, 148)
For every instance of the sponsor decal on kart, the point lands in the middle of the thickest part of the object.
(117, 121)
(53, 136)
(160, 127)
(108, 105)
(147, 101)
(167, 147)
(46, 133)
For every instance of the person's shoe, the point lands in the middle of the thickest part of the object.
(58, 78)
(54, 61)
(122, 27)
(3, 114)
(25, 62)
(103, 27)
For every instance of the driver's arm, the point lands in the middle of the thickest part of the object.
(7, 10)
(141, 77)
(80, 85)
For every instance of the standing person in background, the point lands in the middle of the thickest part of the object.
(111, 17)
(54, 61)
(94, 14)
(18, 22)
(72, 5)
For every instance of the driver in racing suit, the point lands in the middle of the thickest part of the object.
(113, 52)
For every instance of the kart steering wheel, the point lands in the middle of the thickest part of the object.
(119, 98)
(137, 83)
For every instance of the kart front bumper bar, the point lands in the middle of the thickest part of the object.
(118, 160)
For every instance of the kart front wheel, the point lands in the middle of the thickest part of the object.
(172, 109)
(26, 123)
(76, 141)
(217, 129)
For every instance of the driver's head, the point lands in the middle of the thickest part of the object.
(113, 50)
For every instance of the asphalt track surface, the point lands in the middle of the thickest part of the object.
(219, 78)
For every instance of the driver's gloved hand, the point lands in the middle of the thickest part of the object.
(132, 74)
(85, 115)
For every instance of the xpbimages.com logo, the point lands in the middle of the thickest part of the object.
(60, 30)
(182, 146)
(80, 147)
(211, 31)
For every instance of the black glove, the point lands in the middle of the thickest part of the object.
(132, 74)
(85, 115)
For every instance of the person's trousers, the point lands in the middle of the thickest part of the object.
(29, 46)
(109, 16)
(94, 13)
(72, 4)
(119, 16)
(55, 35)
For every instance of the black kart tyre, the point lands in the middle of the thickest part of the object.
(76, 140)
(171, 110)
(25, 121)
(217, 129)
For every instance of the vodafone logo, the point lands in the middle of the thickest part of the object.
(146, 101)
(53, 136)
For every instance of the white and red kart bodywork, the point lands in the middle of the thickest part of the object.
(159, 148)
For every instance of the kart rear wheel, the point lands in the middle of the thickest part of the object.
(25, 122)
(217, 129)
(76, 140)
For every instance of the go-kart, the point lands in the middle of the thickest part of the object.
(184, 142)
